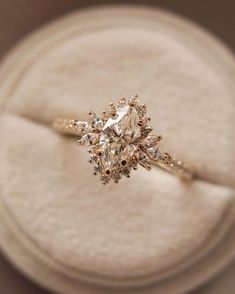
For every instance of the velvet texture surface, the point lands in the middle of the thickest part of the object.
(150, 226)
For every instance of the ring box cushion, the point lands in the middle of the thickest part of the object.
(150, 226)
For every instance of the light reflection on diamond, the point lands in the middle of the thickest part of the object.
(117, 135)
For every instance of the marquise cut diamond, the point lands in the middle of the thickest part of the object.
(117, 135)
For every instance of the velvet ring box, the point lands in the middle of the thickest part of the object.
(150, 233)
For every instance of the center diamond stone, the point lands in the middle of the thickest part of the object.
(117, 136)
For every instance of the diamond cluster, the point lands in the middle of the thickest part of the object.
(119, 139)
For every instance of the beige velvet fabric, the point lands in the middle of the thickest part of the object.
(152, 225)
(188, 100)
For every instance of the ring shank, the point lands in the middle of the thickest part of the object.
(166, 162)
(176, 167)
(66, 126)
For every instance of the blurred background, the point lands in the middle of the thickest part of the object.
(20, 17)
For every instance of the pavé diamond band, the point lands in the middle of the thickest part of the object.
(119, 140)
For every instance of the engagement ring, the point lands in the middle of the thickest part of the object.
(119, 140)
